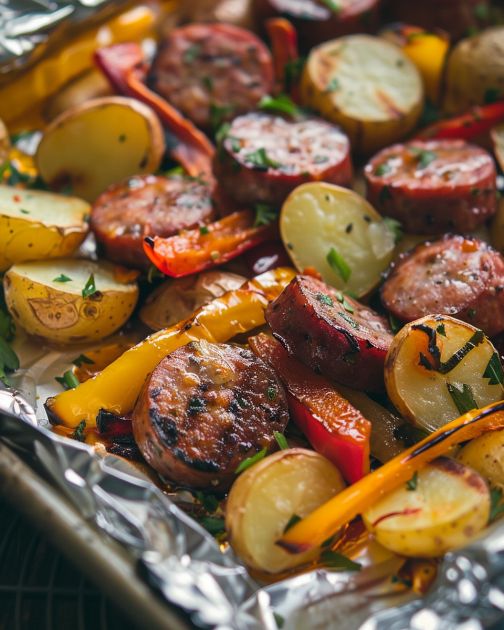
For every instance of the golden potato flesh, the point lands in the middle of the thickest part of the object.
(99, 143)
(266, 497)
(46, 299)
(439, 509)
(486, 455)
(37, 225)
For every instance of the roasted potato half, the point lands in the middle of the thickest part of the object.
(486, 455)
(439, 509)
(265, 498)
(337, 232)
(98, 143)
(439, 367)
(367, 86)
(36, 225)
(69, 301)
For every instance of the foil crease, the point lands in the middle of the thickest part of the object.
(180, 560)
(28, 26)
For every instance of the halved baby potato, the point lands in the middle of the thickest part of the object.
(486, 455)
(366, 85)
(36, 225)
(439, 509)
(265, 498)
(98, 143)
(439, 367)
(339, 234)
(69, 300)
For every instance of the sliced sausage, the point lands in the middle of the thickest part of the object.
(457, 17)
(331, 333)
(204, 409)
(462, 277)
(316, 21)
(434, 186)
(143, 205)
(264, 157)
(212, 72)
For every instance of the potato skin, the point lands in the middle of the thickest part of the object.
(486, 455)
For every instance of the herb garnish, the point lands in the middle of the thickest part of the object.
(292, 72)
(443, 367)
(395, 324)
(496, 505)
(208, 501)
(295, 518)
(279, 620)
(324, 299)
(413, 482)
(281, 103)
(68, 380)
(260, 159)
(271, 392)
(78, 434)
(494, 371)
(395, 227)
(382, 169)
(343, 301)
(81, 359)
(349, 320)
(192, 53)
(62, 278)
(338, 562)
(213, 524)
(338, 264)
(204, 230)
(441, 330)
(423, 157)
(90, 287)
(218, 113)
(333, 85)
(264, 214)
(153, 273)
(250, 461)
(463, 398)
(281, 440)
(331, 4)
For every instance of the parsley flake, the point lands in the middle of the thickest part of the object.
(90, 287)
(204, 230)
(281, 103)
(264, 214)
(81, 359)
(324, 299)
(271, 392)
(496, 505)
(260, 159)
(382, 169)
(338, 264)
(78, 434)
(281, 440)
(493, 371)
(62, 278)
(333, 85)
(395, 227)
(338, 562)
(463, 398)
(423, 157)
(412, 483)
(250, 461)
(68, 380)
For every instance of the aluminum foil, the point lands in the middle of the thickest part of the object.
(27, 26)
(185, 564)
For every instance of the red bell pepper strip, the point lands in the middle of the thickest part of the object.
(476, 121)
(192, 251)
(283, 37)
(331, 424)
(124, 66)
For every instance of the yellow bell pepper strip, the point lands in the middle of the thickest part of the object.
(192, 251)
(125, 68)
(427, 50)
(116, 388)
(283, 37)
(321, 524)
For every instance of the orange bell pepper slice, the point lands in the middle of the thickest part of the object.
(334, 427)
(321, 524)
(192, 251)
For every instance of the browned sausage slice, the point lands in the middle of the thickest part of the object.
(331, 333)
(434, 186)
(147, 204)
(462, 277)
(317, 21)
(264, 157)
(204, 409)
(212, 72)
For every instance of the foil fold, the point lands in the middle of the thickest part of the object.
(183, 563)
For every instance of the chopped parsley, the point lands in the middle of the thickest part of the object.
(324, 299)
(292, 72)
(213, 524)
(23, 211)
(218, 113)
(208, 83)
(81, 359)
(250, 461)
(395, 324)
(295, 518)
(208, 501)
(281, 440)
(493, 371)
(346, 305)
(90, 287)
(153, 273)
(260, 159)
(281, 103)
(68, 380)
(350, 321)
(331, 4)
(333, 85)
(204, 230)
(441, 330)
(423, 157)
(272, 392)
(338, 264)
(338, 562)
(279, 620)
(382, 169)
(192, 53)
(412, 483)
(264, 214)
(78, 434)
(395, 227)
(462, 397)
(496, 505)
(62, 278)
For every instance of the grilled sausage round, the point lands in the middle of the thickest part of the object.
(462, 277)
(316, 21)
(204, 409)
(147, 204)
(264, 157)
(331, 333)
(212, 72)
(433, 186)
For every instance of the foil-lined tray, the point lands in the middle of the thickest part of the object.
(182, 562)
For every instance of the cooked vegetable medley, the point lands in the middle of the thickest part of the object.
(309, 218)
